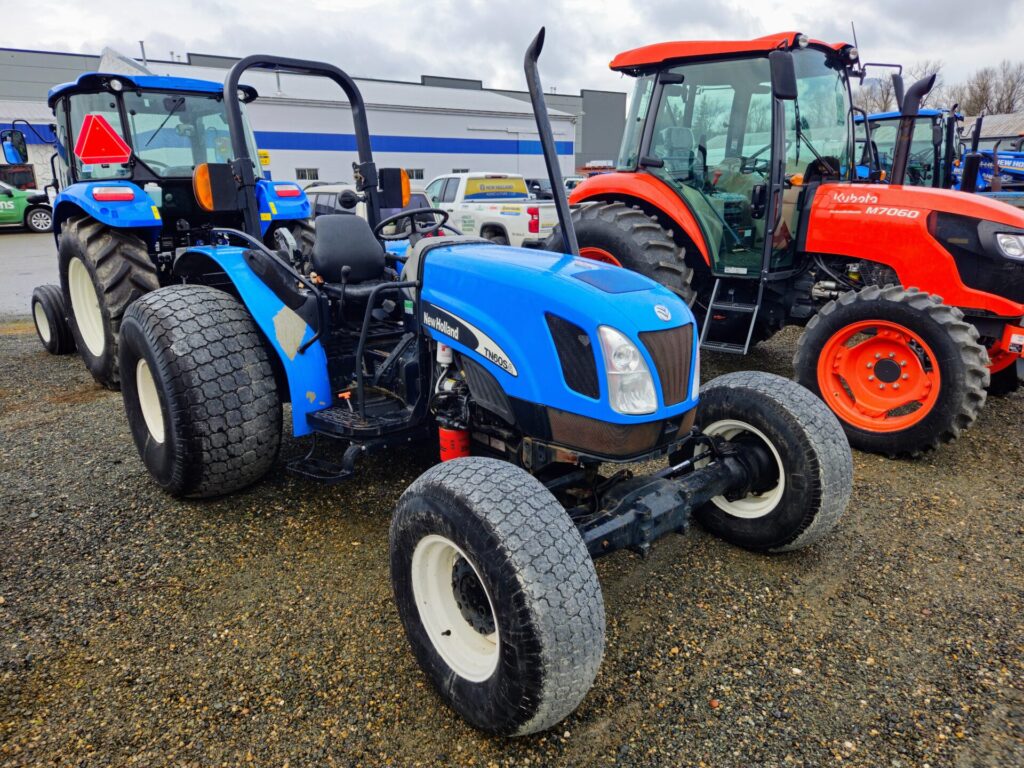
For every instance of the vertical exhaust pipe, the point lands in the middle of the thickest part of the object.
(909, 108)
(547, 143)
(897, 87)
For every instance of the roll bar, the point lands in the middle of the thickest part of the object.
(365, 171)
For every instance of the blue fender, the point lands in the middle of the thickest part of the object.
(274, 207)
(137, 213)
(309, 387)
(489, 302)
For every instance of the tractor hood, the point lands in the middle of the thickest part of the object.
(531, 319)
(938, 238)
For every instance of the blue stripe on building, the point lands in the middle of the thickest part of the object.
(346, 142)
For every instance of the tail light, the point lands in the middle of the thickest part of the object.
(287, 190)
(534, 226)
(113, 194)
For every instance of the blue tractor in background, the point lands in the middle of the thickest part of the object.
(127, 146)
(543, 377)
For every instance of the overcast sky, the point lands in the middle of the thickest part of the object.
(485, 39)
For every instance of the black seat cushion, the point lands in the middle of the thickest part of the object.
(344, 240)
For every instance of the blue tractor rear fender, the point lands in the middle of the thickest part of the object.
(280, 201)
(98, 200)
(283, 327)
(493, 303)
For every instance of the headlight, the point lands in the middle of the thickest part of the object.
(630, 386)
(1011, 245)
(695, 380)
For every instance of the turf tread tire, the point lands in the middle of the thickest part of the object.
(121, 270)
(957, 413)
(527, 543)
(816, 444)
(221, 409)
(51, 299)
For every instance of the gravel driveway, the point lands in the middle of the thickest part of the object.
(259, 629)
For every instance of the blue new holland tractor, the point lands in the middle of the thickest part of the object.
(544, 376)
(126, 149)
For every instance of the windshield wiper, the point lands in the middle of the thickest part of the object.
(180, 102)
(827, 166)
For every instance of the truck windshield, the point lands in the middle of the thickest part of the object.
(173, 132)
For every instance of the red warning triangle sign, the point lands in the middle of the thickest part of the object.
(98, 142)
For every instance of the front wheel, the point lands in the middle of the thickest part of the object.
(39, 219)
(810, 483)
(903, 372)
(497, 593)
(50, 318)
(199, 391)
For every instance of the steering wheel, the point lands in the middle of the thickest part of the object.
(414, 226)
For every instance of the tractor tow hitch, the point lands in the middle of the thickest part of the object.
(639, 510)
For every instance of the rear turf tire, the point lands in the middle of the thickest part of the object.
(51, 321)
(615, 232)
(527, 648)
(199, 391)
(812, 457)
(941, 351)
(102, 271)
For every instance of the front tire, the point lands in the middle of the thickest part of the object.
(39, 219)
(616, 233)
(199, 391)
(102, 271)
(813, 477)
(903, 372)
(50, 318)
(497, 593)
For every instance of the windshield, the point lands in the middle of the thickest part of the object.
(636, 114)
(173, 132)
(921, 162)
(818, 128)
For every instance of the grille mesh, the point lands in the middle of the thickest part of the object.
(671, 351)
(576, 354)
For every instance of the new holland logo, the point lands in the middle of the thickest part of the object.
(662, 312)
(853, 197)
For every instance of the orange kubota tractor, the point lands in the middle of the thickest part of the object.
(736, 187)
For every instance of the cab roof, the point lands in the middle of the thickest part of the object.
(91, 81)
(652, 55)
(897, 115)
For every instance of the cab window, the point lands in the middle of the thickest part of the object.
(104, 105)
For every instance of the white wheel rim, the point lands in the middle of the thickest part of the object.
(86, 306)
(470, 654)
(42, 324)
(40, 219)
(149, 401)
(753, 505)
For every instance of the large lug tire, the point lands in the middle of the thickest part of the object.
(619, 234)
(304, 232)
(497, 593)
(1005, 381)
(102, 271)
(903, 372)
(39, 219)
(813, 474)
(199, 391)
(51, 320)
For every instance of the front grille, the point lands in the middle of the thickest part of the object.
(601, 437)
(576, 354)
(671, 351)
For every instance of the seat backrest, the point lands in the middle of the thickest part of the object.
(344, 240)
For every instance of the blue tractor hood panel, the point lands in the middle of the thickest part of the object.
(493, 301)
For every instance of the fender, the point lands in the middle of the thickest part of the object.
(897, 217)
(309, 387)
(650, 192)
(277, 201)
(137, 213)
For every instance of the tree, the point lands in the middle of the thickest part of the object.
(991, 90)
(921, 69)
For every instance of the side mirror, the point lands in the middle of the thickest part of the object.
(937, 134)
(783, 75)
(15, 148)
(348, 199)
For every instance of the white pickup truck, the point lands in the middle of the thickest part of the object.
(493, 205)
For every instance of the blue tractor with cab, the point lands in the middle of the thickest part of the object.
(126, 148)
(544, 378)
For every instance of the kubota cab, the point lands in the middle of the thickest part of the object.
(736, 187)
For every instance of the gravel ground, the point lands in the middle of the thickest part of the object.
(259, 629)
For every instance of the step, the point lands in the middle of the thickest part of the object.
(734, 306)
(724, 346)
(382, 415)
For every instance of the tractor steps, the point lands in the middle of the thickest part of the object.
(380, 414)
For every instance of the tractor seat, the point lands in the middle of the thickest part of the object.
(343, 240)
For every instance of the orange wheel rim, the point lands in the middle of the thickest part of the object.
(878, 376)
(599, 254)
